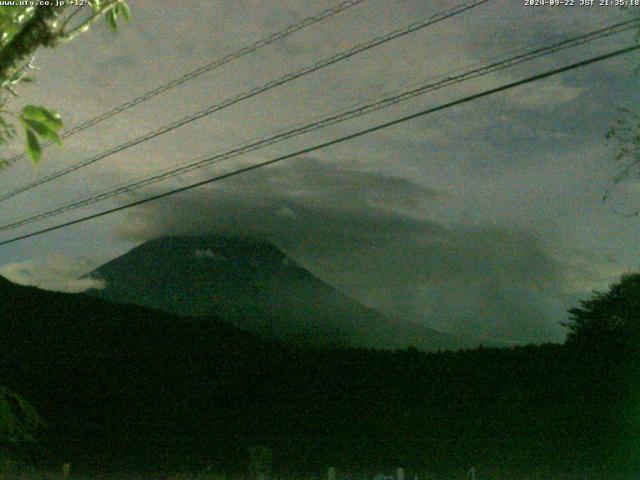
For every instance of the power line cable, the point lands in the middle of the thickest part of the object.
(331, 120)
(438, 17)
(345, 138)
(346, 115)
(290, 30)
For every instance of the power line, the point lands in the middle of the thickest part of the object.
(290, 30)
(341, 117)
(438, 17)
(333, 119)
(345, 138)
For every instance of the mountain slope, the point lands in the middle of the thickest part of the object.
(97, 371)
(255, 286)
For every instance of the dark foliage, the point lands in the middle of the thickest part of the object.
(609, 320)
(123, 387)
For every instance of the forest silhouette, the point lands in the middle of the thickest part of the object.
(123, 388)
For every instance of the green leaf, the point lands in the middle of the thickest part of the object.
(53, 120)
(42, 129)
(95, 5)
(40, 114)
(54, 137)
(33, 146)
(7, 130)
(124, 10)
(112, 19)
(31, 111)
(34, 125)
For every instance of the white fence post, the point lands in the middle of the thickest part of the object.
(332, 474)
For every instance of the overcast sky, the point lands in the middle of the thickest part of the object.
(485, 218)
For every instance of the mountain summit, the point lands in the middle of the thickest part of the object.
(257, 287)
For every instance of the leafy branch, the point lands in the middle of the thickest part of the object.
(624, 137)
(111, 9)
(23, 31)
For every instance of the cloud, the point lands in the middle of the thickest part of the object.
(372, 236)
(543, 95)
(461, 240)
(57, 272)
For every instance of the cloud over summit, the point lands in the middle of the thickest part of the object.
(372, 235)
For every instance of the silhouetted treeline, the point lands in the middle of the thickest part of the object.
(124, 387)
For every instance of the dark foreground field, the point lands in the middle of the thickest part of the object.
(131, 393)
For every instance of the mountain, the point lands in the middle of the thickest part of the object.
(255, 286)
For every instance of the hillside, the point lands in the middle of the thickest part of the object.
(255, 286)
(125, 388)
(100, 372)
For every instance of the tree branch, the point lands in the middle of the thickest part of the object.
(37, 32)
(84, 26)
